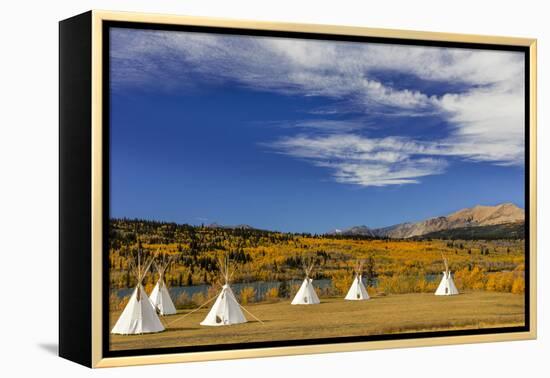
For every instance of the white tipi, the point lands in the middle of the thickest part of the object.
(160, 296)
(447, 284)
(306, 295)
(357, 290)
(139, 315)
(226, 310)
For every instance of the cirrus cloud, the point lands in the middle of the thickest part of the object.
(484, 118)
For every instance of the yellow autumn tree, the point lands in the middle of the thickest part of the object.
(341, 281)
(518, 286)
(248, 295)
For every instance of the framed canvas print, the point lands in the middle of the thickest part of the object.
(235, 189)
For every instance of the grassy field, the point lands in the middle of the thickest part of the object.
(335, 317)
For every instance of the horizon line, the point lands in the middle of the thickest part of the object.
(246, 225)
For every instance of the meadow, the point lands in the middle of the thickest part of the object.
(334, 317)
(401, 277)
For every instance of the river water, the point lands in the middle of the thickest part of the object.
(261, 287)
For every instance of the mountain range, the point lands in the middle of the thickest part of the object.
(239, 226)
(503, 217)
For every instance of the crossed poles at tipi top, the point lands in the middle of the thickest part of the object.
(226, 310)
(139, 316)
(357, 290)
(447, 285)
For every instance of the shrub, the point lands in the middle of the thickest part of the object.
(373, 292)
(518, 287)
(474, 279)
(183, 300)
(248, 295)
(401, 284)
(272, 294)
(284, 289)
(117, 303)
(330, 291)
(520, 268)
(424, 286)
(341, 281)
(478, 279)
(322, 292)
(212, 292)
(501, 281)
(198, 298)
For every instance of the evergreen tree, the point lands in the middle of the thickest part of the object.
(370, 271)
(284, 290)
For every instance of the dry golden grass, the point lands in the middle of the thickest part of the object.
(335, 317)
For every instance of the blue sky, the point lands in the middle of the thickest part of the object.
(298, 135)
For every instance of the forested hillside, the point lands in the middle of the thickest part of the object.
(394, 265)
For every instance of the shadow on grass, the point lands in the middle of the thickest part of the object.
(174, 329)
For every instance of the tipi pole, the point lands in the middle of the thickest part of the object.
(162, 320)
(195, 310)
(445, 262)
(251, 314)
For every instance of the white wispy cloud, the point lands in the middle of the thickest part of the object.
(321, 125)
(488, 124)
(310, 68)
(366, 161)
(486, 117)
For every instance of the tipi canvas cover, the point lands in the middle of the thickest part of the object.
(226, 310)
(357, 290)
(447, 285)
(306, 295)
(139, 315)
(160, 296)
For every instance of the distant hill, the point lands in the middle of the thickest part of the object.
(475, 217)
(239, 226)
(357, 230)
(499, 231)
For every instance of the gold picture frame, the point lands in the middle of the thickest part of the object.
(92, 25)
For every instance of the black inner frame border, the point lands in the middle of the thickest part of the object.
(107, 25)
